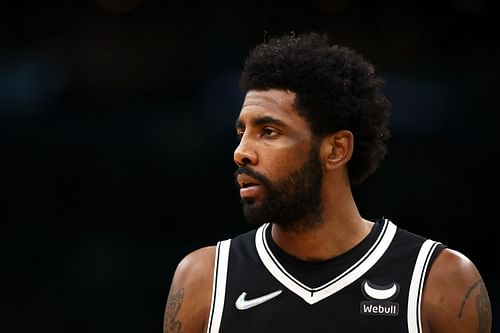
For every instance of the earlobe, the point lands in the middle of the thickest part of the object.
(338, 149)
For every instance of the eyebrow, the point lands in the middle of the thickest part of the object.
(260, 121)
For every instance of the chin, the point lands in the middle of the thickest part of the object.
(252, 212)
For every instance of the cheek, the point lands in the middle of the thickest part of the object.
(281, 163)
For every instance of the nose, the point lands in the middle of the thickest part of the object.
(244, 154)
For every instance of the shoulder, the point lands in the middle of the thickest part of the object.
(197, 264)
(455, 298)
(188, 302)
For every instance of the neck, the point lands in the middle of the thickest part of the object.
(341, 228)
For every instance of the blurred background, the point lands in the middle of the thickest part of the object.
(116, 140)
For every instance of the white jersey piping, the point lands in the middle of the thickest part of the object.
(314, 295)
(218, 286)
(414, 315)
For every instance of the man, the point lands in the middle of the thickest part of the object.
(313, 123)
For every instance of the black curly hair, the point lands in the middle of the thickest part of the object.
(335, 88)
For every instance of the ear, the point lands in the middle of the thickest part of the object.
(337, 149)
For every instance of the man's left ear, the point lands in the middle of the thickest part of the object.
(337, 149)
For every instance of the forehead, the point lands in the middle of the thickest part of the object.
(278, 104)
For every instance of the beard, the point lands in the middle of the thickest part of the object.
(294, 202)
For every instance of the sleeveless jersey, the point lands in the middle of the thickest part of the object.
(374, 287)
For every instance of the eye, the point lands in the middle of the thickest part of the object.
(239, 134)
(269, 132)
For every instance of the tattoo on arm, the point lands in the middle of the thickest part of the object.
(467, 295)
(174, 302)
(483, 306)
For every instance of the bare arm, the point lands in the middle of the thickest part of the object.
(455, 297)
(188, 302)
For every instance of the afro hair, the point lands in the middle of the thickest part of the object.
(335, 89)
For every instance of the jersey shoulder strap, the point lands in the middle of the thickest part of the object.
(219, 285)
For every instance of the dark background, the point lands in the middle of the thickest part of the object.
(116, 129)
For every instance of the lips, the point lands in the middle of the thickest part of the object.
(245, 181)
(249, 186)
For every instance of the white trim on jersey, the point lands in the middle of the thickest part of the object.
(414, 316)
(314, 295)
(218, 286)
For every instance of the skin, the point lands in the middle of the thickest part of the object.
(275, 147)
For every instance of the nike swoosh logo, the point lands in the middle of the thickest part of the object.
(378, 292)
(244, 304)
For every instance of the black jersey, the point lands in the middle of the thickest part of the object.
(374, 287)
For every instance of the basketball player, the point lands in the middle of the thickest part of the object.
(313, 123)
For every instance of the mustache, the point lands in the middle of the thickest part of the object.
(252, 173)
